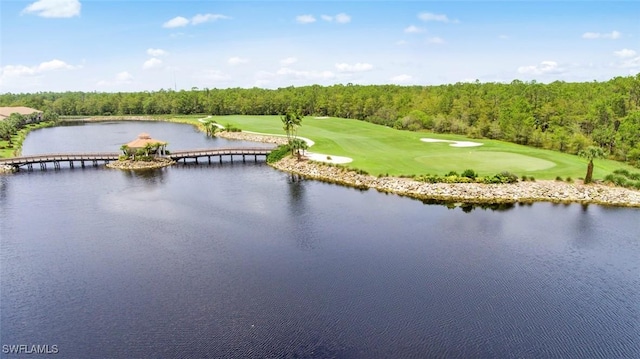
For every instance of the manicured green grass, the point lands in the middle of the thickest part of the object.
(382, 150)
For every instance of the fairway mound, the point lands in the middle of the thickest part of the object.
(453, 143)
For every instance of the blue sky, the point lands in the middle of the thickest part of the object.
(88, 45)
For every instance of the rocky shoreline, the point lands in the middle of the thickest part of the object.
(472, 193)
(253, 137)
(6, 169)
(141, 165)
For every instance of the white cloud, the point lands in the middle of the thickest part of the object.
(427, 16)
(124, 77)
(625, 53)
(597, 35)
(216, 75)
(289, 61)
(359, 67)
(305, 19)
(237, 60)
(22, 70)
(202, 18)
(631, 63)
(177, 21)
(343, 18)
(414, 30)
(121, 78)
(435, 40)
(545, 67)
(401, 78)
(54, 65)
(305, 75)
(156, 52)
(180, 21)
(54, 8)
(152, 63)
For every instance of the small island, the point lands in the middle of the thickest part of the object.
(143, 153)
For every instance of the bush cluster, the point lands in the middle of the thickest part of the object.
(231, 128)
(624, 178)
(468, 176)
(278, 153)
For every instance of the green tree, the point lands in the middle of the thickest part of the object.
(298, 145)
(290, 123)
(211, 127)
(591, 153)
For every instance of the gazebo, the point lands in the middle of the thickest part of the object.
(143, 141)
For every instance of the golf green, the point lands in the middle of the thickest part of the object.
(490, 161)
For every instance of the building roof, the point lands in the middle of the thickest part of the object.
(142, 140)
(7, 111)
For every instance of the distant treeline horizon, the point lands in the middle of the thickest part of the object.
(562, 116)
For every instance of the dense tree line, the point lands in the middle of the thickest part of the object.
(15, 122)
(567, 117)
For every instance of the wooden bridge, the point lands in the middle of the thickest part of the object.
(105, 157)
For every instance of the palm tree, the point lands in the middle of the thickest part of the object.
(211, 127)
(147, 149)
(591, 153)
(297, 145)
(290, 123)
(125, 150)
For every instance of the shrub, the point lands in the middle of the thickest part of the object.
(451, 173)
(508, 177)
(558, 178)
(278, 153)
(469, 173)
(569, 179)
(532, 179)
(231, 128)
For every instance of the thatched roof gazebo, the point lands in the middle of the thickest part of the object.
(144, 140)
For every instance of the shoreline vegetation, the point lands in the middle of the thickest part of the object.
(469, 193)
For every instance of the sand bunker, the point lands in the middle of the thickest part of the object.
(453, 143)
(321, 117)
(321, 157)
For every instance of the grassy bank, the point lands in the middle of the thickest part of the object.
(382, 150)
(18, 138)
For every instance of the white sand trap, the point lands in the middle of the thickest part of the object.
(321, 157)
(454, 143)
(321, 117)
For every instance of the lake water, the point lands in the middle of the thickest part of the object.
(241, 260)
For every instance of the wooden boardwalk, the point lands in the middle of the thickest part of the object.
(105, 157)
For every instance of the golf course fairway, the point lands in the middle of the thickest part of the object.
(380, 150)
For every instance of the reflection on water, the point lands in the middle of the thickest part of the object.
(149, 177)
(468, 207)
